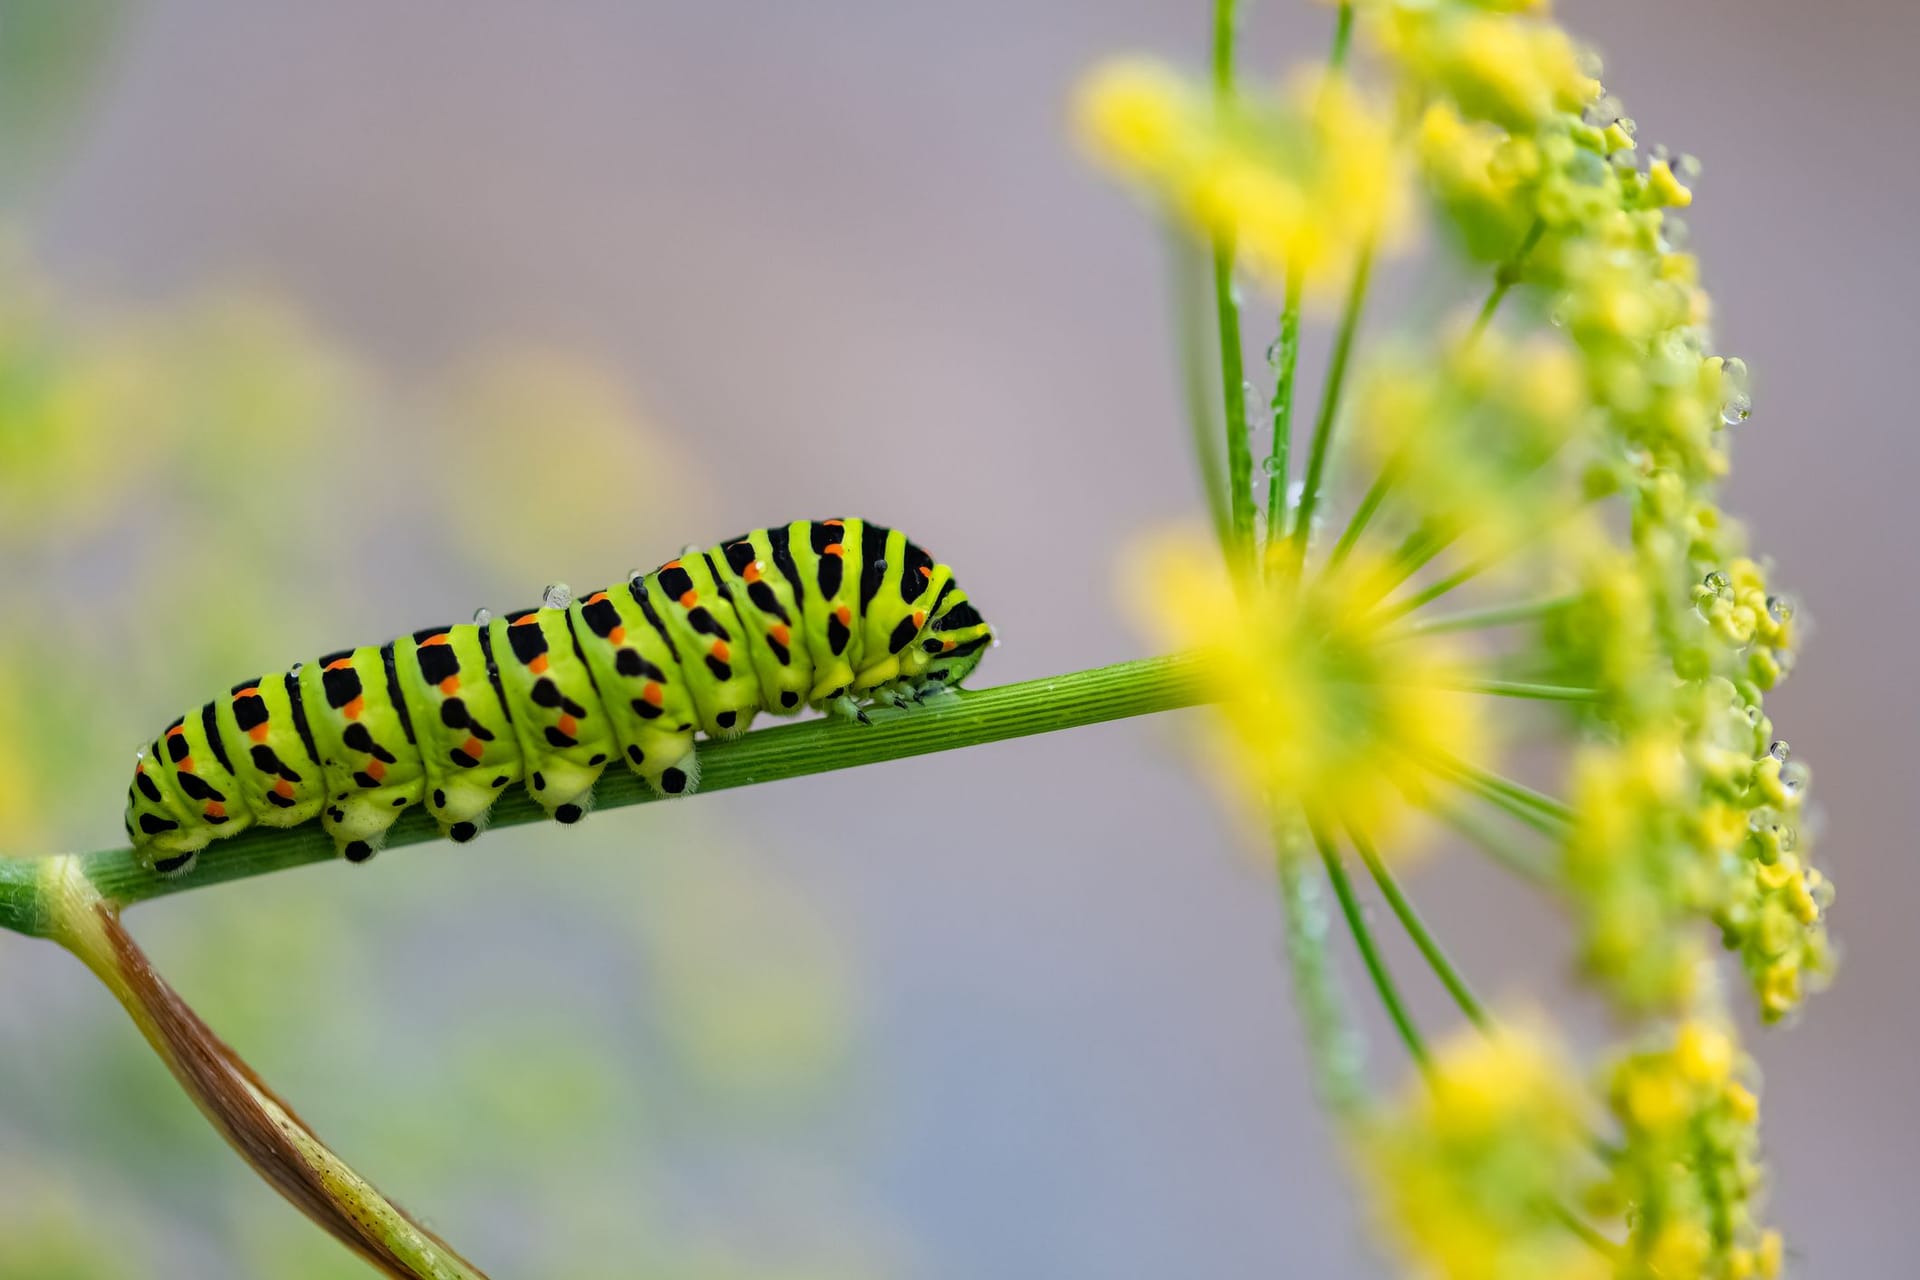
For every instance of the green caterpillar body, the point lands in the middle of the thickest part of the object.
(817, 614)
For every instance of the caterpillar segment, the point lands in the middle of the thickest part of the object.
(822, 614)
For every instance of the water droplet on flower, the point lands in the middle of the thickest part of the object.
(1755, 716)
(1603, 111)
(1277, 352)
(558, 595)
(482, 616)
(1794, 778)
(1736, 409)
(1627, 125)
(1687, 169)
(1719, 584)
(1780, 608)
(1779, 750)
(1269, 466)
(1787, 834)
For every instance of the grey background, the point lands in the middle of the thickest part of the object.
(845, 252)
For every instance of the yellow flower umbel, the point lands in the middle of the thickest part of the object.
(1535, 552)
(1320, 700)
(1297, 180)
(1473, 1166)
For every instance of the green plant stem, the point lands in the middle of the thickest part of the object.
(1495, 616)
(1279, 460)
(960, 719)
(1505, 277)
(1234, 407)
(1342, 37)
(1529, 689)
(1330, 392)
(1416, 927)
(1333, 1044)
(1192, 290)
(1370, 953)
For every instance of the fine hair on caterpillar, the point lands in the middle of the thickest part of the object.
(822, 614)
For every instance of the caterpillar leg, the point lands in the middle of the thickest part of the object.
(681, 778)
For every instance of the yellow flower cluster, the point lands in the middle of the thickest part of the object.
(1296, 181)
(1321, 702)
(1473, 1165)
(1686, 1166)
(1486, 444)
(1561, 492)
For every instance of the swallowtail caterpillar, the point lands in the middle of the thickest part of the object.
(821, 614)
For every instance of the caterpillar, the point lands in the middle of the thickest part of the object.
(818, 614)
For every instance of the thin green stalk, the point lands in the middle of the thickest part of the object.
(1519, 792)
(1370, 953)
(960, 719)
(1416, 927)
(1505, 277)
(1191, 296)
(1234, 406)
(1494, 616)
(1342, 37)
(1363, 514)
(1334, 1045)
(1330, 397)
(1279, 461)
(1523, 862)
(1528, 689)
(1233, 376)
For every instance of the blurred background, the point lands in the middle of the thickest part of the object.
(323, 322)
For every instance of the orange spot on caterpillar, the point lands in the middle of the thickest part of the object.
(473, 748)
(283, 789)
(215, 809)
(654, 693)
(532, 619)
(433, 640)
(838, 524)
(186, 766)
(690, 599)
(919, 619)
(258, 733)
(948, 644)
(339, 663)
(721, 651)
(753, 571)
(617, 636)
(845, 615)
(671, 564)
(175, 732)
(450, 686)
(376, 770)
(539, 665)
(251, 691)
(834, 549)
(596, 597)
(353, 709)
(925, 572)
(781, 636)
(567, 724)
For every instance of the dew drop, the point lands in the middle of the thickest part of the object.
(482, 616)
(558, 595)
(1277, 352)
(1737, 408)
(1269, 466)
(1779, 608)
(1603, 111)
(1754, 716)
(1794, 778)
(1719, 584)
(1787, 834)
(879, 566)
(296, 668)
(1779, 750)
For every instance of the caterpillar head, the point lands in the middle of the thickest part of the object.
(952, 643)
